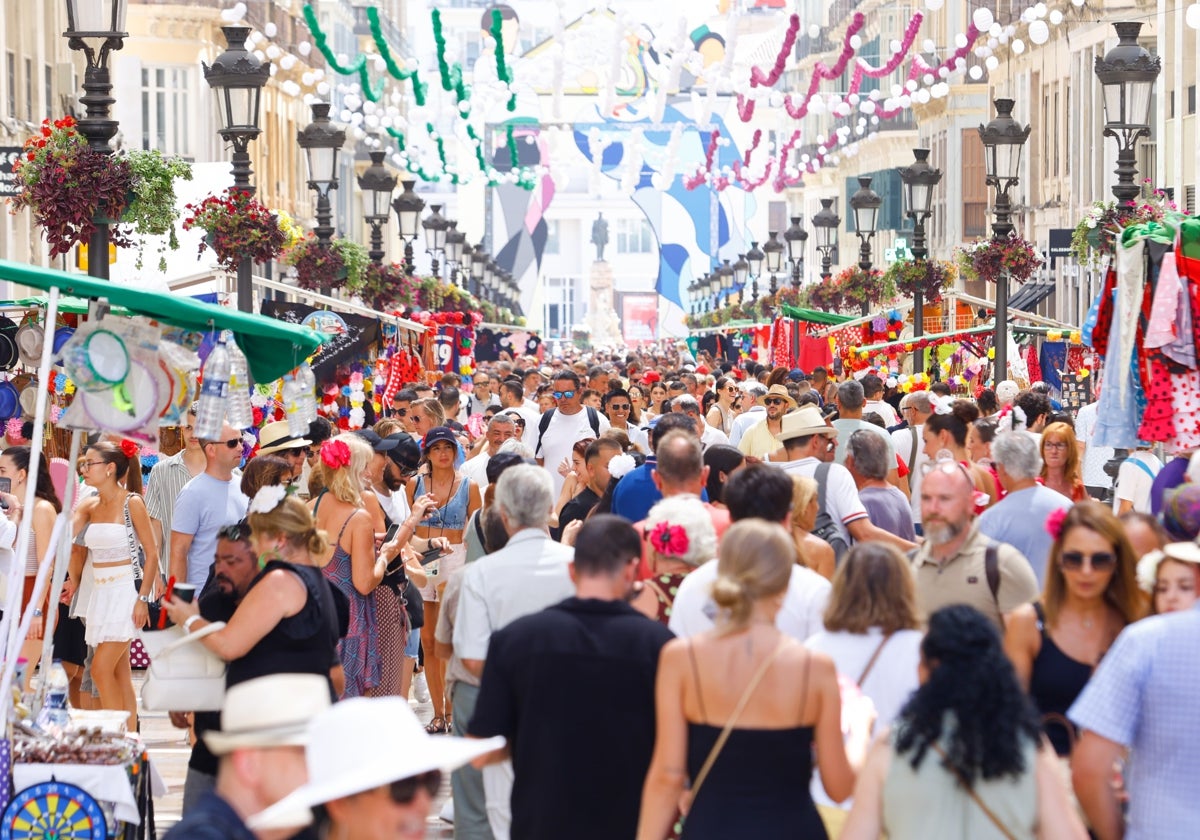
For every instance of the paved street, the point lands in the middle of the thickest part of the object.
(169, 751)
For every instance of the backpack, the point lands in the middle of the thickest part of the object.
(825, 528)
(544, 424)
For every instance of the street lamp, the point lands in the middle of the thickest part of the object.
(408, 206)
(741, 276)
(1003, 138)
(1128, 73)
(795, 237)
(237, 78)
(479, 258)
(826, 222)
(725, 275)
(377, 184)
(435, 235)
(773, 256)
(919, 179)
(322, 141)
(865, 204)
(456, 241)
(97, 29)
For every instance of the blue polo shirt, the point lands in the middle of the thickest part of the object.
(636, 493)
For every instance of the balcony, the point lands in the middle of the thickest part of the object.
(388, 28)
(806, 46)
(841, 10)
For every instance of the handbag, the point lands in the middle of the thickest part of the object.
(183, 676)
(987, 812)
(414, 605)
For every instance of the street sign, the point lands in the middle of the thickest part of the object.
(8, 180)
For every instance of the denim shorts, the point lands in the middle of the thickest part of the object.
(413, 647)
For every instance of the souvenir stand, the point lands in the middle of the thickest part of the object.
(88, 780)
(798, 332)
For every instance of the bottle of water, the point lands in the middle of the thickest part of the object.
(239, 412)
(214, 394)
(307, 382)
(297, 425)
(54, 707)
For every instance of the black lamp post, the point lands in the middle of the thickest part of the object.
(919, 179)
(825, 223)
(97, 28)
(456, 240)
(408, 206)
(322, 141)
(1003, 138)
(377, 184)
(741, 279)
(1128, 73)
(865, 203)
(754, 259)
(237, 79)
(479, 259)
(726, 275)
(795, 237)
(773, 257)
(435, 235)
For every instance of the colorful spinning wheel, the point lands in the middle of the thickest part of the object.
(53, 811)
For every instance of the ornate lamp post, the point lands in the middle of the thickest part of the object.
(377, 184)
(795, 237)
(741, 279)
(826, 222)
(237, 79)
(456, 241)
(479, 259)
(1128, 73)
(435, 235)
(322, 142)
(773, 257)
(865, 203)
(919, 179)
(97, 29)
(1003, 138)
(725, 273)
(755, 258)
(408, 206)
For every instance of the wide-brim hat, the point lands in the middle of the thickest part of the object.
(28, 398)
(8, 350)
(61, 336)
(10, 401)
(361, 744)
(777, 391)
(274, 437)
(805, 421)
(272, 711)
(29, 339)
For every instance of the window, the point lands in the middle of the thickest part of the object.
(1189, 199)
(47, 104)
(166, 121)
(559, 306)
(29, 90)
(974, 186)
(553, 245)
(1191, 99)
(12, 82)
(634, 236)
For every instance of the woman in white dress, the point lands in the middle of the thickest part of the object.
(115, 606)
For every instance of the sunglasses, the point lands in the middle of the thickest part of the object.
(400, 412)
(237, 532)
(1101, 561)
(774, 401)
(616, 407)
(233, 443)
(405, 791)
(519, 422)
(563, 395)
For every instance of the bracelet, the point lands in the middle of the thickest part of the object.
(191, 619)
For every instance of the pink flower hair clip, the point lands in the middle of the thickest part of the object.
(669, 540)
(1054, 523)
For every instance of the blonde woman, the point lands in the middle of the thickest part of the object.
(679, 536)
(353, 567)
(426, 414)
(776, 698)
(814, 552)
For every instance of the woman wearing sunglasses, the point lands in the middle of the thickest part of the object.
(721, 415)
(1091, 594)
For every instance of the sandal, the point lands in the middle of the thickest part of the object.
(438, 726)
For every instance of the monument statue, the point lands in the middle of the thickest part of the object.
(600, 236)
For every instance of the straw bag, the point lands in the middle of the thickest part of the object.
(183, 676)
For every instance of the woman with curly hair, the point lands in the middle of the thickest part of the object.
(1061, 465)
(963, 758)
(1091, 594)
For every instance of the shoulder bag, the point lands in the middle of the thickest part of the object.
(871, 661)
(183, 676)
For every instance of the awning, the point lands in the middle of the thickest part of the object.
(814, 317)
(1030, 295)
(272, 348)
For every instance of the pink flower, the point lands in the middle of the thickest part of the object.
(669, 540)
(1054, 523)
(335, 454)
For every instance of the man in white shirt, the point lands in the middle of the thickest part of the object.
(512, 400)
(764, 492)
(500, 428)
(755, 391)
(810, 442)
(1095, 479)
(910, 445)
(481, 396)
(873, 392)
(567, 424)
(709, 435)
(1134, 481)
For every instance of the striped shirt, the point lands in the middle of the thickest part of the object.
(167, 478)
(1143, 697)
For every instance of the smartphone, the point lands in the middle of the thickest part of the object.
(5, 485)
(391, 532)
(429, 556)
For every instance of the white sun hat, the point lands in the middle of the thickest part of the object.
(363, 743)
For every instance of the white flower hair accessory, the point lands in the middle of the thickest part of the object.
(620, 465)
(1015, 415)
(268, 498)
(941, 405)
(1147, 571)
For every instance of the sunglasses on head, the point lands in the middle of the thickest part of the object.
(405, 791)
(237, 532)
(563, 395)
(1101, 561)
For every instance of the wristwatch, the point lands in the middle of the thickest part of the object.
(145, 599)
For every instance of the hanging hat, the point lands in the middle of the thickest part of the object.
(61, 336)
(28, 398)
(364, 743)
(10, 401)
(29, 339)
(8, 351)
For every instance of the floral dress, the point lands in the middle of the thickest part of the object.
(359, 649)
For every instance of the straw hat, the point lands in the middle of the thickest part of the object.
(806, 421)
(777, 391)
(274, 438)
(271, 711)
(363, 743)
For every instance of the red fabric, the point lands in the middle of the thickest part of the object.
(1104, 313)
(814, 352)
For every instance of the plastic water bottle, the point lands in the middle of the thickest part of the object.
(307, 382)
(292, 398)
(54, 707)
(214, 394)
(239, 413)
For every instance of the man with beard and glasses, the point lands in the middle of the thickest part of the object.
(577, 661)
(959, 565)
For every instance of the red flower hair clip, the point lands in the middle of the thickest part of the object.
(669, 540)
(128, 448)
(335, 454)
(1054, 523)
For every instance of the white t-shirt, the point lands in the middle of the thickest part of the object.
(532, 417)
(902, 442)
(800, 617)
(1135, 479)
(564, 431)
(713, 436)
(1094, 457)
(841, 493)
(476, 469)
(883, 409)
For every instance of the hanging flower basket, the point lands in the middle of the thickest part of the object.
(1095, 237)
(931, 277)
(341, 265)
(152, 208)
(825, 296)
(864, 289)
(387, 287)
(69, 186)
(237, 226)
(990, 259)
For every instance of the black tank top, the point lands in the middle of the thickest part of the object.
(1054, 683)
(304, 643)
